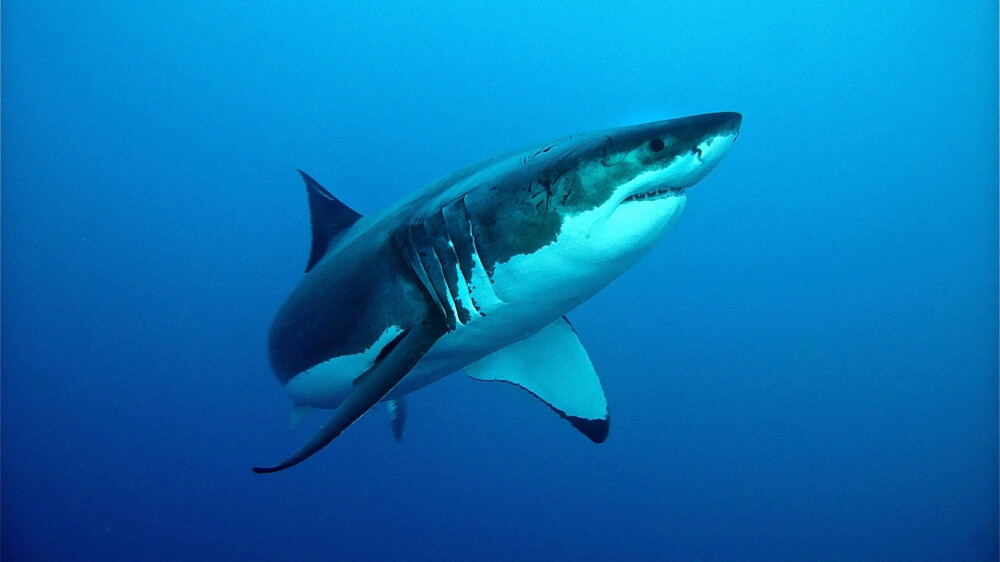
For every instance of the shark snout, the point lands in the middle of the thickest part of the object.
(725, 121)
(705, 126)
(719, 137)
(711, 135)
(693, 147)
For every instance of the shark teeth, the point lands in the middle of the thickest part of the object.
(657, 194)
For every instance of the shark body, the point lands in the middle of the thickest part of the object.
(477, 270)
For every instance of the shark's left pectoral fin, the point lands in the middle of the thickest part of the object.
(394, 361)
(553, 366)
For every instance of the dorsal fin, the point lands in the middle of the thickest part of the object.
(329, 218)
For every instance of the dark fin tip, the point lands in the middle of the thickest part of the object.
(595, 430)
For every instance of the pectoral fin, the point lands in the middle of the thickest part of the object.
(401, 355)
(553, 366)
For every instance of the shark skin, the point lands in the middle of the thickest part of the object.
(477, 270)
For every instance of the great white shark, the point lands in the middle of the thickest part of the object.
(477, 270)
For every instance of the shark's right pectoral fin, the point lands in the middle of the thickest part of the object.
(553, 366)
(394, 361)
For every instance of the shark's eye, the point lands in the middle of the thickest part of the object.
(656, 145)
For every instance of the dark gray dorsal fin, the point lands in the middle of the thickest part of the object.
(329, 218)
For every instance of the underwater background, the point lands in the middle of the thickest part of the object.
(806, 368)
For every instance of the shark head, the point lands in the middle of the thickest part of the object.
(581, 210)
(617, 190)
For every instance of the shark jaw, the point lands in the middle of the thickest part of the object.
(657, 194)
(643, 208)
(593, 246)
(685, 170)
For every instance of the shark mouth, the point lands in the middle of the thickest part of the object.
(661, 193)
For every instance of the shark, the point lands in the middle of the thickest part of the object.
(477, 271)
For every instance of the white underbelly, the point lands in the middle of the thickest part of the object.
(467, 344)
(327, 384)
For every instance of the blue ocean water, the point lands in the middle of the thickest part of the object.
(805, 368)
